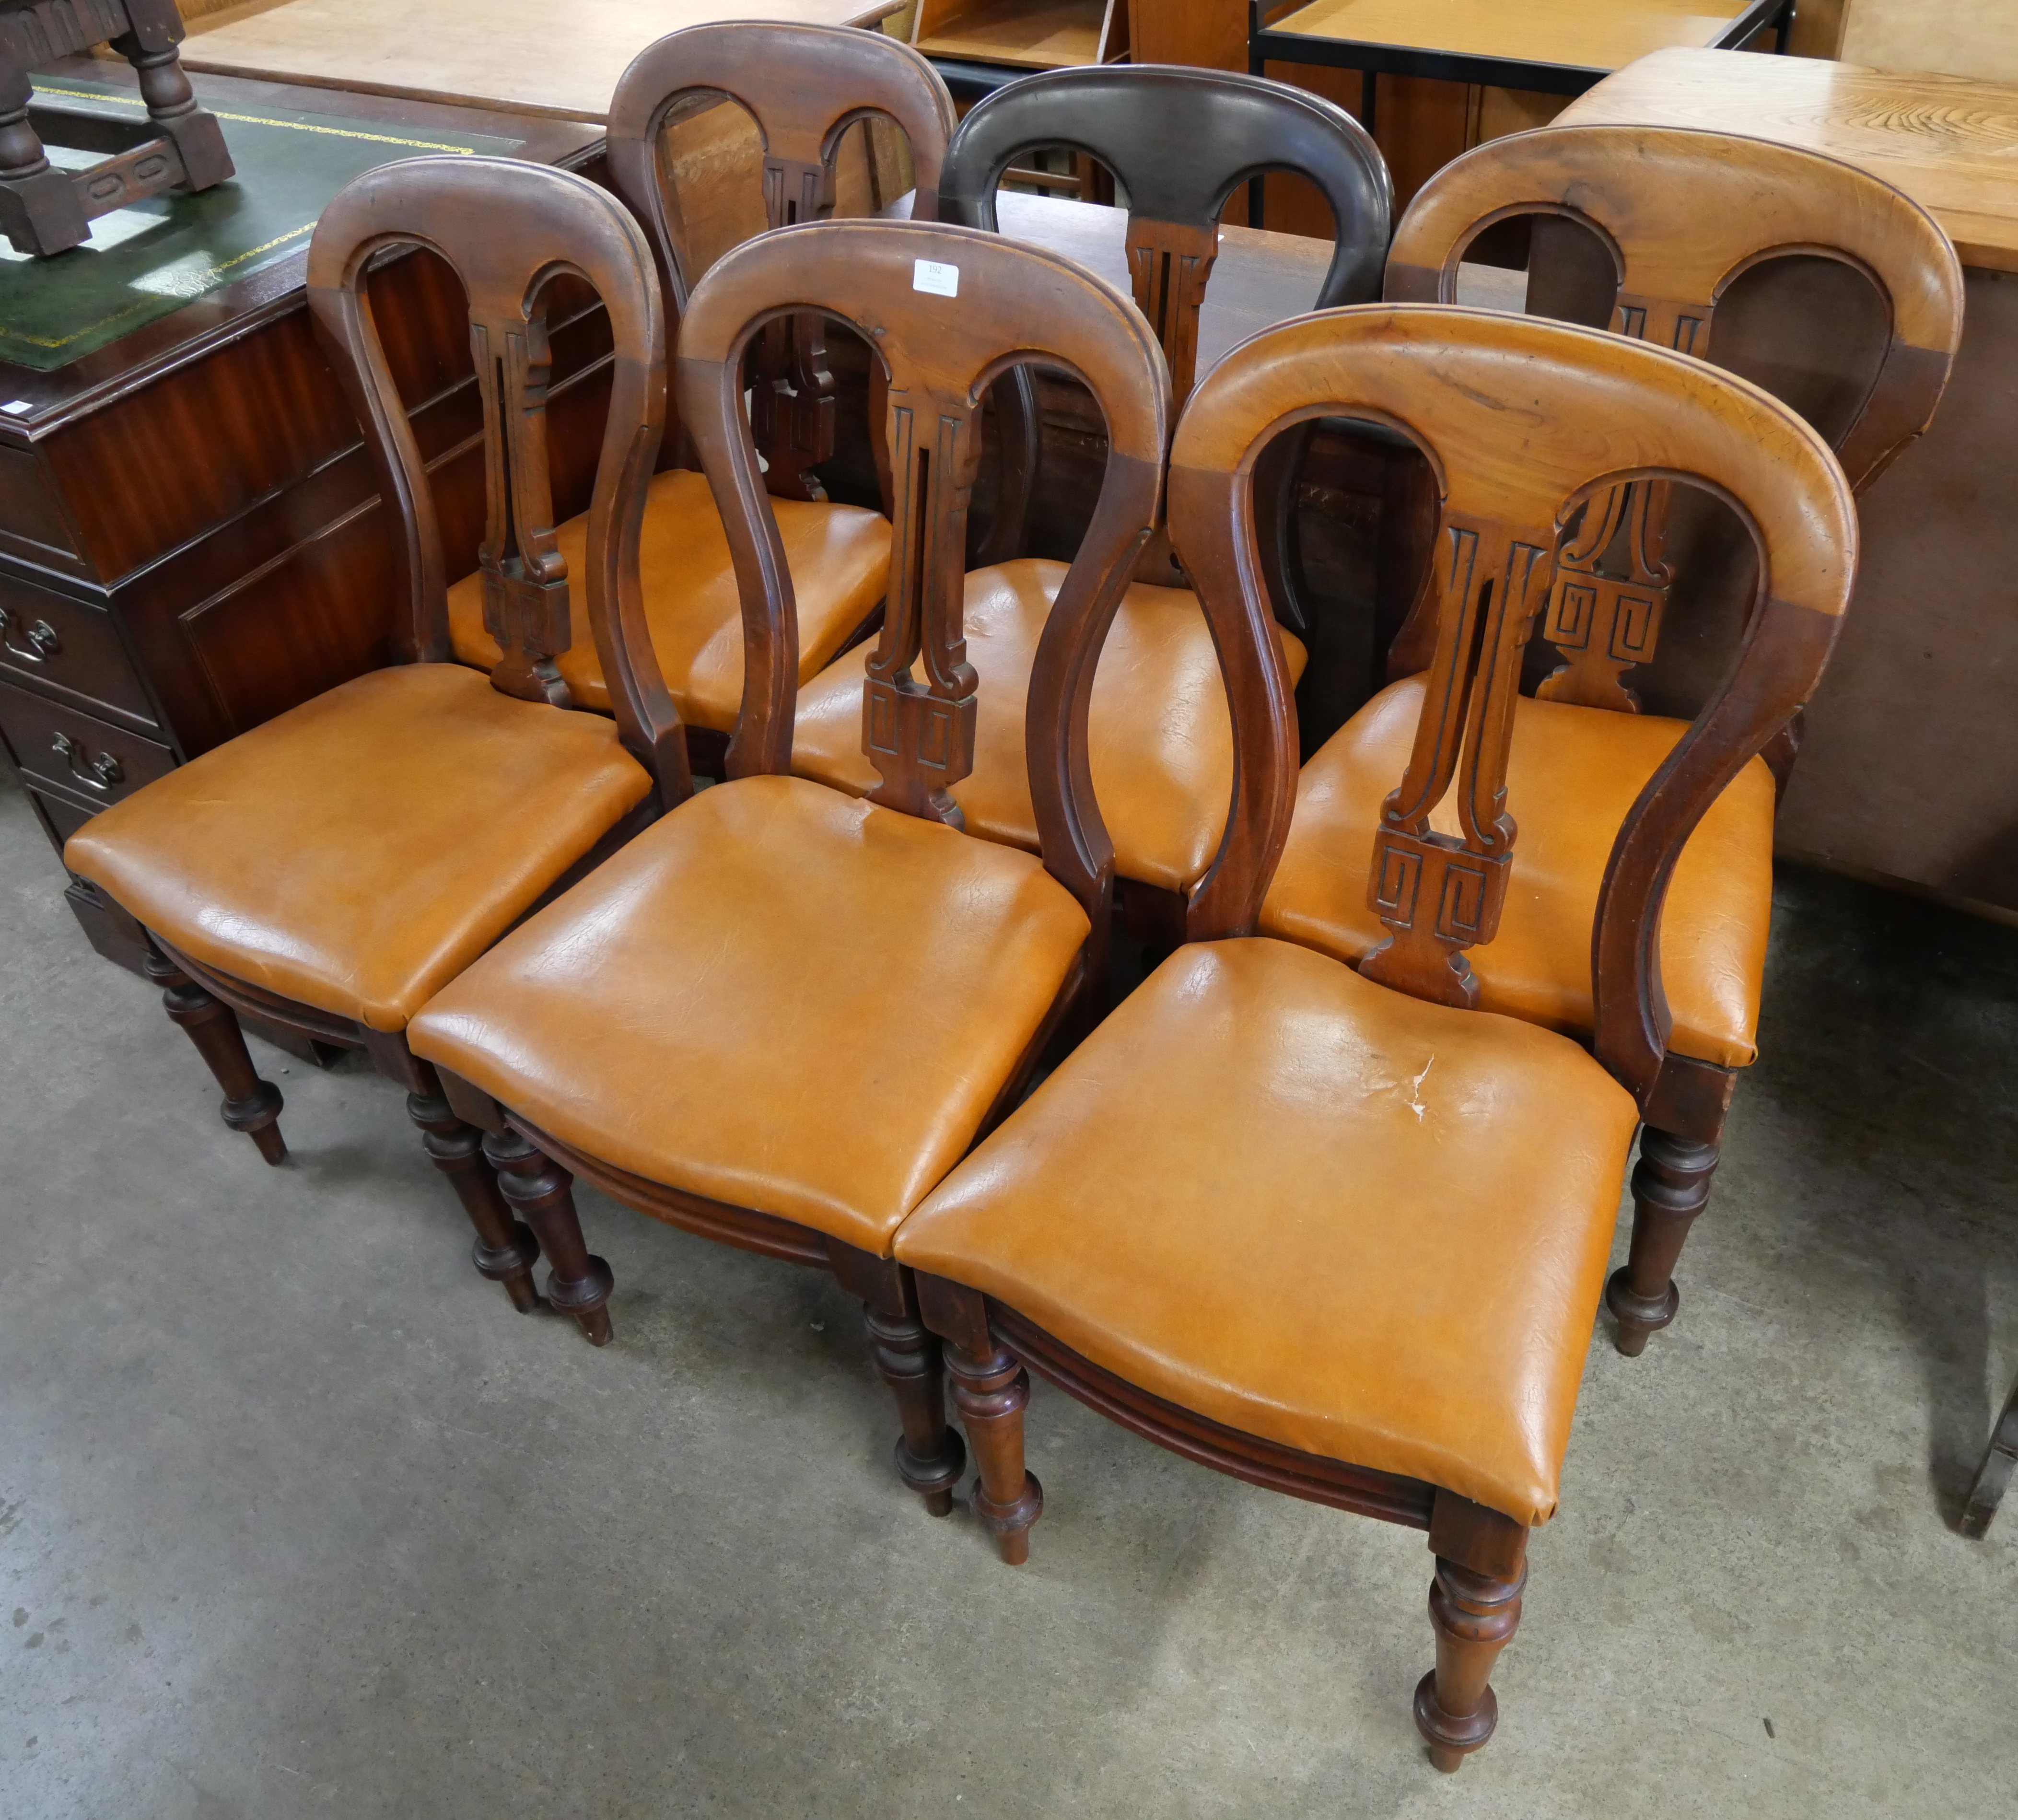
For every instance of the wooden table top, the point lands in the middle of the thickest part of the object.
(1597, 35)
(527, 56)
(1951, 142)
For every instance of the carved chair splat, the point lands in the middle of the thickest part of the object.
(1194, 1225)
(1648, 229)
(784, 1013)
(327, 871)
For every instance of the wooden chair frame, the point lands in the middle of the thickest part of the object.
(1180, 141)
(1014, 302)
(1521, 422)
(803, 86)
(1683, 215)
(507, 228)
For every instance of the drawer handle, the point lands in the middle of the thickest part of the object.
(99, 773)
(42, 645)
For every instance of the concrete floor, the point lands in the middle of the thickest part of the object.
(297, 1517)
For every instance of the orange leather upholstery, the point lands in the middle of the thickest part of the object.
(1572, 776)
(1314, 1210)
(839, 557)
(358, 853)
(1161, 740)
(777, 996)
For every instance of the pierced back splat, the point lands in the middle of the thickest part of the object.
(1683, 214)
(1522, 422)
(1009, 302)
(804, 85)
(506, 228)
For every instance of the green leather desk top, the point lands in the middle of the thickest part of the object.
(143, 262)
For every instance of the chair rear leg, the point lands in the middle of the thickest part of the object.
(991, 1394)
(930, 1457)
(505, 1250)
(250, 1105)
(1994, 1474)
(539, 1189)
(1670, 1185)
(1475, 1616)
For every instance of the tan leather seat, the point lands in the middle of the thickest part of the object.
(1161, 739)
(839, 556)
(1314, 1210)
(778, 996)
(356, 853)
(1572, 774)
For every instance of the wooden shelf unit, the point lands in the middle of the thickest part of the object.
(1023, 34)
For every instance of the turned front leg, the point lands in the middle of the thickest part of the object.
(543, 1192)
(505, 1250)
(1670, 1185)
(1475, 1616)
(250, 1105)
(930, 1457)
(990, 1393)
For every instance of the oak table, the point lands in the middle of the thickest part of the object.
(1556, 47)
(1910, 769)
(527, 56)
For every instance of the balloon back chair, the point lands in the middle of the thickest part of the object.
(1338, 1231)
(804, 85)
(330, 869)
(1651, 229)
(779, 1018)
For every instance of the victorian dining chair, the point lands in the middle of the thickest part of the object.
(330, 869)
(780, 1016)
(1340, 1233)
(804, 86)
(1652, 230)
(1180, 142)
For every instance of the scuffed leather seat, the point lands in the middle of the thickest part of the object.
(1160, 738)
(357, 852)
(1359, 1225)
(624, 1019)
(1572, 776)
(839, 557)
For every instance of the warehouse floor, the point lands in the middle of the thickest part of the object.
(298, 1517)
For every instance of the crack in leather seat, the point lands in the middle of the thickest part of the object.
(778, 996)
(1312, 1210)
(356, 853)
(1571, 777)
(838, 556)
(1160, 738)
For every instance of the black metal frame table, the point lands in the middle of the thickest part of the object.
(1268, 42)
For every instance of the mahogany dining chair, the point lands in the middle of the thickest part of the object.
(1338, 1231)
(782, 1014)
(804, 86)
(1650, 229)
(330, 870)
(1180, 142)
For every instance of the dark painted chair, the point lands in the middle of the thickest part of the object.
(1180, 142)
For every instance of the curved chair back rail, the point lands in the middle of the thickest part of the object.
(1684, 214)
(803, 86)
(1180, 141)
(1009, 302)
(1522, 421)
(506, 228)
